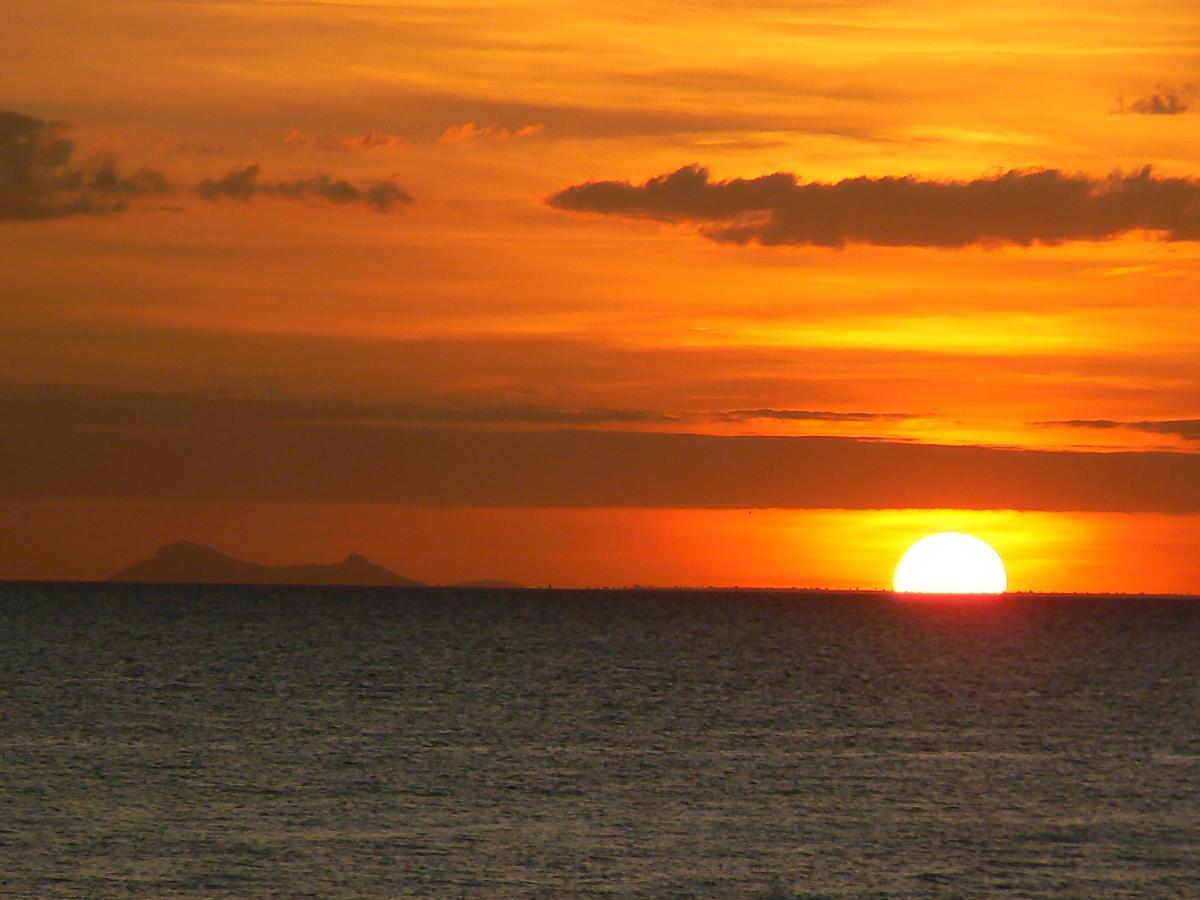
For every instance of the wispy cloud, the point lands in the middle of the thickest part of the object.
(1023, 207)
(494, 134)
(40, 178)
(174, 145)
(244, 184)
(368, 140)
(1165, 101)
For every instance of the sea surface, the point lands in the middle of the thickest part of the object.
(247, 741)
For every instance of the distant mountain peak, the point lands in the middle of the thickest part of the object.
(188, 562)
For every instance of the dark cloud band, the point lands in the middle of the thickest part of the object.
(437, 466)
(1017, 207)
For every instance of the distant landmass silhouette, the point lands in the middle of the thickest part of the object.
(185, 562)
(486, 583)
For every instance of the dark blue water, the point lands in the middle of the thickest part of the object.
(338, 742)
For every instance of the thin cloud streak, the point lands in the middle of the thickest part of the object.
(73, 407)
(1188, 429)
(808, 415)
(1022, 207)
(243, 184)
(494, 134)
(368, 140)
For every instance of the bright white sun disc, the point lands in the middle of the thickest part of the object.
(951, 563)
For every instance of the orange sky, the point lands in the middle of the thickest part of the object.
(344, 229)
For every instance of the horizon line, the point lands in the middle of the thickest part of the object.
(608, 588)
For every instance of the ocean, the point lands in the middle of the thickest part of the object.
(333, 742)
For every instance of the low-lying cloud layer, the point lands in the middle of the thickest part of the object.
(244, 184)
(41, 179)
(1023, 207)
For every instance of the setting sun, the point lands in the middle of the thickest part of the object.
(951, 563)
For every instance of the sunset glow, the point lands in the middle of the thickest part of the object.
(799, 282)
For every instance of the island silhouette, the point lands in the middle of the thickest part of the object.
(185, 562)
